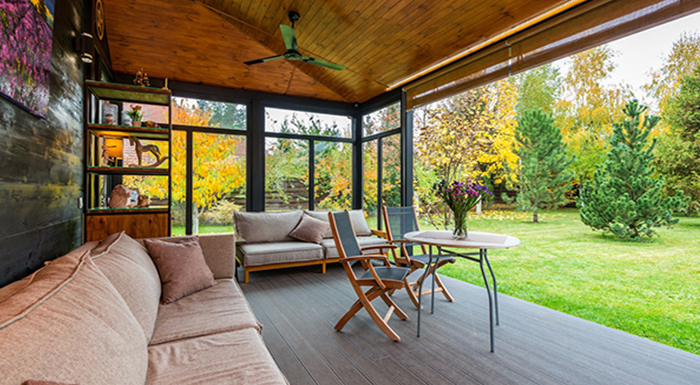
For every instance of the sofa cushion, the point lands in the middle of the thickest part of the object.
(231, 358)
(266, 227)
(181, 267)
(357, 217)
(310, 229)
(220, 308)
(332, 251)
(130, 269)
(69, 324)
(259, 254)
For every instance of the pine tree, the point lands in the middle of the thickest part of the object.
(626, 198)
(543, 178)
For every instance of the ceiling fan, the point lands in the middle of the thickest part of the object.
(290, 40)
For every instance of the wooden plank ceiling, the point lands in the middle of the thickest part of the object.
(380, 41)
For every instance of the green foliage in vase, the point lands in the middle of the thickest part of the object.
(543, 178)
(626, 197)
(679, 149)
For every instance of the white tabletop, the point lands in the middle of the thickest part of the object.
(475, 240)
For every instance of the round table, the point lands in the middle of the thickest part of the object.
(476, 240)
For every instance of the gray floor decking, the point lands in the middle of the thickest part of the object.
(534, 345)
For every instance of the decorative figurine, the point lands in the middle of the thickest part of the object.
(141, 149)
(146, 82)
(119, 199)
(109, 160)
(109, 113)
(144, 201)
(150, 123)
(138, 80)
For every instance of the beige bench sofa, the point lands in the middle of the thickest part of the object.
(93, 317)
(268, 245)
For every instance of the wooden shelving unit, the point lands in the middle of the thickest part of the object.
(99, 220)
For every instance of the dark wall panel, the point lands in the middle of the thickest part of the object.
(41, 162)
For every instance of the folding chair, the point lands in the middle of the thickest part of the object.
(380, 280)
(402, 220)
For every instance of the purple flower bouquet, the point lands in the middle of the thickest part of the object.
(460, 198)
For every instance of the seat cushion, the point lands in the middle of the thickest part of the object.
(130, 269)
(70, 325)
(266, 227)
(388, 273)
(259, 254)
(332, 252)
(231, 358)
(220, 308)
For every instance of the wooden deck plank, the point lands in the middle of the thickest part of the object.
(534, 345)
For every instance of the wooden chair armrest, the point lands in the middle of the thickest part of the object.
(379, 257)
(380, 233)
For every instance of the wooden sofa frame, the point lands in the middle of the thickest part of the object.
(323, 262)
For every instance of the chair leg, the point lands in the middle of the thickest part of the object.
(446, 293)
(379, 320)
(370, 294)
(246, 276)
(397, 310)
(365, 301)
(409, 290)
(353, 310)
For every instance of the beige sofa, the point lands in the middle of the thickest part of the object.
(94, 317)
(268, 245)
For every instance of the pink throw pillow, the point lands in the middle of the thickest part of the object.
(181, 267)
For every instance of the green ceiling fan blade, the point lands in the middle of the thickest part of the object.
(290, 38)
(322, 63)
(264, 60)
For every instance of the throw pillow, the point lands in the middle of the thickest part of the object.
(310, 229)
(181, 267)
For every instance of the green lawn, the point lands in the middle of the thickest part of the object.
(650, 289)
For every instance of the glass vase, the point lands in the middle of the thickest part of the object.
(461, 228)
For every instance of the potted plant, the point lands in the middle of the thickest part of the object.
(460, 198)
(136, 115)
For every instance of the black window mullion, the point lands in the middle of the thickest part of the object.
(312, 174)
(189, 182)
(380, 155)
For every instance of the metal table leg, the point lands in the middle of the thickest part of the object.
(495, 286)
(488, 292)
(420, 287)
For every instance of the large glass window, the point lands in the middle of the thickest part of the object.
(298, 140)
(391, 171)
(206, 113)
(333, 175)
(307, 123)
(370, 176)
(219, 177)
(386, 119)
(286, 174)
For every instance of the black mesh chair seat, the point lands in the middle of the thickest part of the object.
(424, 258)
(387, 273)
